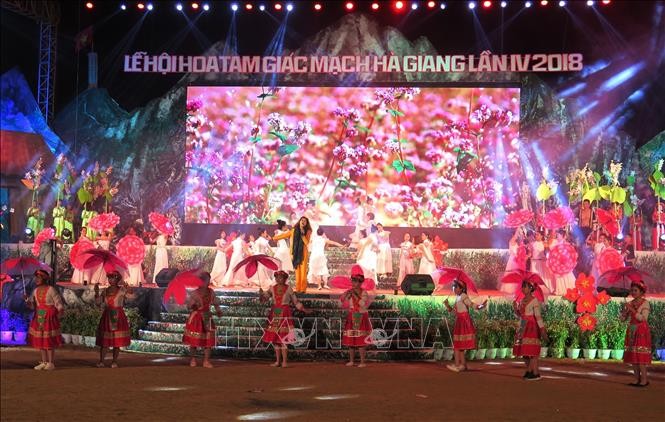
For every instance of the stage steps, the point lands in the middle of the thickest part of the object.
(244, 318)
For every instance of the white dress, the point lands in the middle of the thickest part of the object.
(384, 263)
(318, 263)
(539, 264)
(283, 253)
(219, 266)
(161, 256)
(263, 276)
(79, 276)
(563, 282)
(135, 275)
(237, 256)
(405, 261)
(99, 275)
(367, 260)
(595, 268)
(427, 263)
(511, 265)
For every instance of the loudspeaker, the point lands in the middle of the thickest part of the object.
(418, 285)
(165, 276)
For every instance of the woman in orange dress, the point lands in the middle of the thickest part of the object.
(299, 238)
(637, 349)
(200, 329)
(44, 333)
(113, 331)
(280, 321)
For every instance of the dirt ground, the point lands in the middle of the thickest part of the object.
(161, 388)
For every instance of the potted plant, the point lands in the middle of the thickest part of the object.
(66, 325)
(6, 329)
(617, 338)
(509, 328)
(482, 327)
(573, 343)
(491, 342)
(603, 342)
(76, 328)
(557, 331)
(589, 344)
(502, 340)
(91, 322)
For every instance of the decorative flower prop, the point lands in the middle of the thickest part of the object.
(518, 218)
(562, 258)
(131, 249)
(572, 295)
(80, 247)
(557, 218)
(609, 259)
(44, 235)
(584, 283)
(161, 223)
(603, 298)
(587, 322)
(104, 222)
(586, 303)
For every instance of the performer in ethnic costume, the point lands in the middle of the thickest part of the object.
(219, 266)
(113, 331)
(200, 329)
(103, 243)
(357, 328)
(562, 282)
(638, 336)
(280, 321)
(516, 261)
(44, 333)
(282, 251)
(82, 276)
(405, 260)
(539, 262)
(299, 237)
(658, 219)
(464, 333)
(239, 250)
(532, 328)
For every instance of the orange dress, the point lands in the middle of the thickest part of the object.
(44, 330)
(303, 267)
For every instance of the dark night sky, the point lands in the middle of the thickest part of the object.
(538, 29)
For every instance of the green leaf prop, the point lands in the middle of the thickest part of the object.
(596, 177)
(592, 195)
(627, 209)
(84, 196)
(395, 113)
(287, 149)
(618, 195)
(543, 193)
(279, 135)
(605, 192)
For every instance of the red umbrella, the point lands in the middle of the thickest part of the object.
(344, 282)
(81, 246)
(519, 276)
(625, 274)
(104, 222)
(518, 218)
(177, 288)
(4, 278)
(22, 265)
(251, 265)
(106, 259)
(609, 259)
(131, 249)
(608, 221)
(161, 223)
(557, 218)
(447, 275)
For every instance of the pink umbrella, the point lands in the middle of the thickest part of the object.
(107, 260)
(562, 258)
(608, 221)
(131, 249)
(609, 259)
(518, 218)
(177, 288)
(447, 275)
(558, 218)
(22, 265)
(81, 246)
(344, 282)
(104, 222)
(161, 223)
(251, 265)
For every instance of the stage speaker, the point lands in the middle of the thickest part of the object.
(418, 285)
(165, 276)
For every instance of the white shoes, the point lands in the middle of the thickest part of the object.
(40, 366)
(49, 367)
(454, 368)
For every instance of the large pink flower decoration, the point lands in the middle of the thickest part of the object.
(131, 249)
(518, 218)
(557, 218)
(104, 222)
(44, 235)
(609, 259)
(562, 258)
(587, 303)
(587, 322)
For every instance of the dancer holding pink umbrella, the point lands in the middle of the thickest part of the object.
(131, 249)
(200, 330)
(163, 225)
(82, 245)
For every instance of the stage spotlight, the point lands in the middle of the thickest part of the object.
(472, 5)
(589, 3)
(278, 6)
(605, 2)
(562, 3)
(431, 4)
(289, 7)
(443, 6)
(527, 4)
(504, 4)
(375, 6)
(66, 235)
(414, 6)
(149, 6)
(234, 7)
(123, 7)
(29, 235)
(399, 5)
(89, 5)
(662, 236)
(249, 6)
(487, 4)
(262, 7)
(206, 7)
(544, 2)
(178, 7)
(141, 6)
(620, 236)
(317, 6)
(195, 6)
(349, 6)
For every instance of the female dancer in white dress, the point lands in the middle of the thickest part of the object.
(513, 264)
(282, 251)
(82, 276)
(562, 282)
(240, 250)
(219, 266)
(598, 248)
(318, 263)
(405, 259)
(539, 262)
(367, 253)
(103, 242)
(384, 263)
(427, 262)
(263, 275)
(134, 275)
(161, 255)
